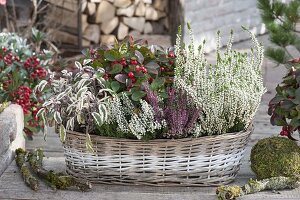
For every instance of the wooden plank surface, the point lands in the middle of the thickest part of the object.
(12, 187)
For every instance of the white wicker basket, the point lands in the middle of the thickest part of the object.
(204, 161)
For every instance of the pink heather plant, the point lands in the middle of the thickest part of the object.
(179, 115)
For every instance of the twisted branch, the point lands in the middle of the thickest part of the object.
(254, 186)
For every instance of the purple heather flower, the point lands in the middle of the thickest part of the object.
(180, 116)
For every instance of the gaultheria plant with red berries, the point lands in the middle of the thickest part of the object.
(21, 69)
(129, 64)
(284, 108)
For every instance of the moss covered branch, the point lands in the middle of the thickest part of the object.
(28, 178)
(54, 180)
(254, 186)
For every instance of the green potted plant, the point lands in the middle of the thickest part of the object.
(21, 69)
(138, 114)
(284, 107)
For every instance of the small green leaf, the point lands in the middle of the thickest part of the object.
(279, 122)
(163, 95)
(6, 71)
(188, 25)
(295, 123)
(123, 48)
(115, 86)
(116, 68)
(152, 65)
(97, 64)
(137, 95)
(62, 133)
(157, 83)
(294, 113)
(297, 93)
(276, 99)
(112, 55)
(287, 104)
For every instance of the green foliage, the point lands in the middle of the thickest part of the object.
(21, 69)
(280, 20)
(111, 130)
(275, 156)
(130, 64)
(284, 108)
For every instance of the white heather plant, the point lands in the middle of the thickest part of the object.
(228, 93)
(140, 122)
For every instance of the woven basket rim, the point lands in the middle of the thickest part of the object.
(203, 138)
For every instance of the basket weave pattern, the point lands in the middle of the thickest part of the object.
(204, 161)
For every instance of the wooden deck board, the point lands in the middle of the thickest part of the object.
(12, 187)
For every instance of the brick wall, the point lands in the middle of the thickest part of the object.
(208, 16)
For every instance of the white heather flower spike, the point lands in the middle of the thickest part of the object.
(139, 124)
(229, 92)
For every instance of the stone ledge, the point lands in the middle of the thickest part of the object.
(11, 134)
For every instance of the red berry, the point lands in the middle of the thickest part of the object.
(123, 63)
(171, 62)
(162, 69)
(171, 54)
(133, 80)
(130, 75)
(144, 70)
(150, 80)
(133, 62)
(115, 62)
(106, 76)
(284, 133)
(138, 68)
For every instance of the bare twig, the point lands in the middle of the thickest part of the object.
(15, 16)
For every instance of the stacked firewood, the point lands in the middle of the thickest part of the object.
(103, 21)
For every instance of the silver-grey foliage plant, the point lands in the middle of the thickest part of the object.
(78, 100)
(12, 41)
